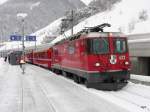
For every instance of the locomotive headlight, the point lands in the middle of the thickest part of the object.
(97, 64)
(126, 63)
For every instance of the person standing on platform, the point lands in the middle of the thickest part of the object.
(5, 59)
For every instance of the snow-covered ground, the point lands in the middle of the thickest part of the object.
(40, 90)
(140, 78)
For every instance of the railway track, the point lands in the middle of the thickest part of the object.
(133, 96)
(28, 92)
(130, 96)
(140, 88)
(66, 91)
(51, 107)
(134, 99)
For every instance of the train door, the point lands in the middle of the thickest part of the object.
(148, 66)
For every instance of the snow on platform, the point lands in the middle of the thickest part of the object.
(140, 78)
(40, 90)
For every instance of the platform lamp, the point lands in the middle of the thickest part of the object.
(22, 17)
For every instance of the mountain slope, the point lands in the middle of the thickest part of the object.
(123, 18)
(40, 13)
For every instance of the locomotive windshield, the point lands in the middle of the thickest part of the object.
(120, 45)
(98, 46)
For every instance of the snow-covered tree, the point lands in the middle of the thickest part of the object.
(143, 16)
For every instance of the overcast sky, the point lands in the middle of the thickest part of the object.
(3, 1)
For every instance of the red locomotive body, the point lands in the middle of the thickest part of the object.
(99, 59)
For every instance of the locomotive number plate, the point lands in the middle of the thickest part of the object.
(122, 57)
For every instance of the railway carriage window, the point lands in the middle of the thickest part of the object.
(55, 50)
(98, 45)
(120, 45)
(46, 55)
(71, 49)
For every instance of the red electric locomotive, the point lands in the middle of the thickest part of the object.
(100, 59)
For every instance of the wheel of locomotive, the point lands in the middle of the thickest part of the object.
(58, 72)
(76, 79)
(52, 70)
(64, 74)
(126, 81)
(80, 80)
(87, 83)
(55, 71)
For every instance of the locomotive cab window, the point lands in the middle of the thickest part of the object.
(98, 46)
(120, 45)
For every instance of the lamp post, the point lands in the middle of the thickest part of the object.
(23, 46)
(22, 17)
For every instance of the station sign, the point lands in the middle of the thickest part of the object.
(30, 38)
(15, 37)
(19, 38)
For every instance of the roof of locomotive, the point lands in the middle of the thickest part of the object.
(96, 34)
(88, 32)
(74, 37)
(90, 35)
(104, 34)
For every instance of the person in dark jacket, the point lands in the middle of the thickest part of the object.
(5, 59)
(9, 59)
